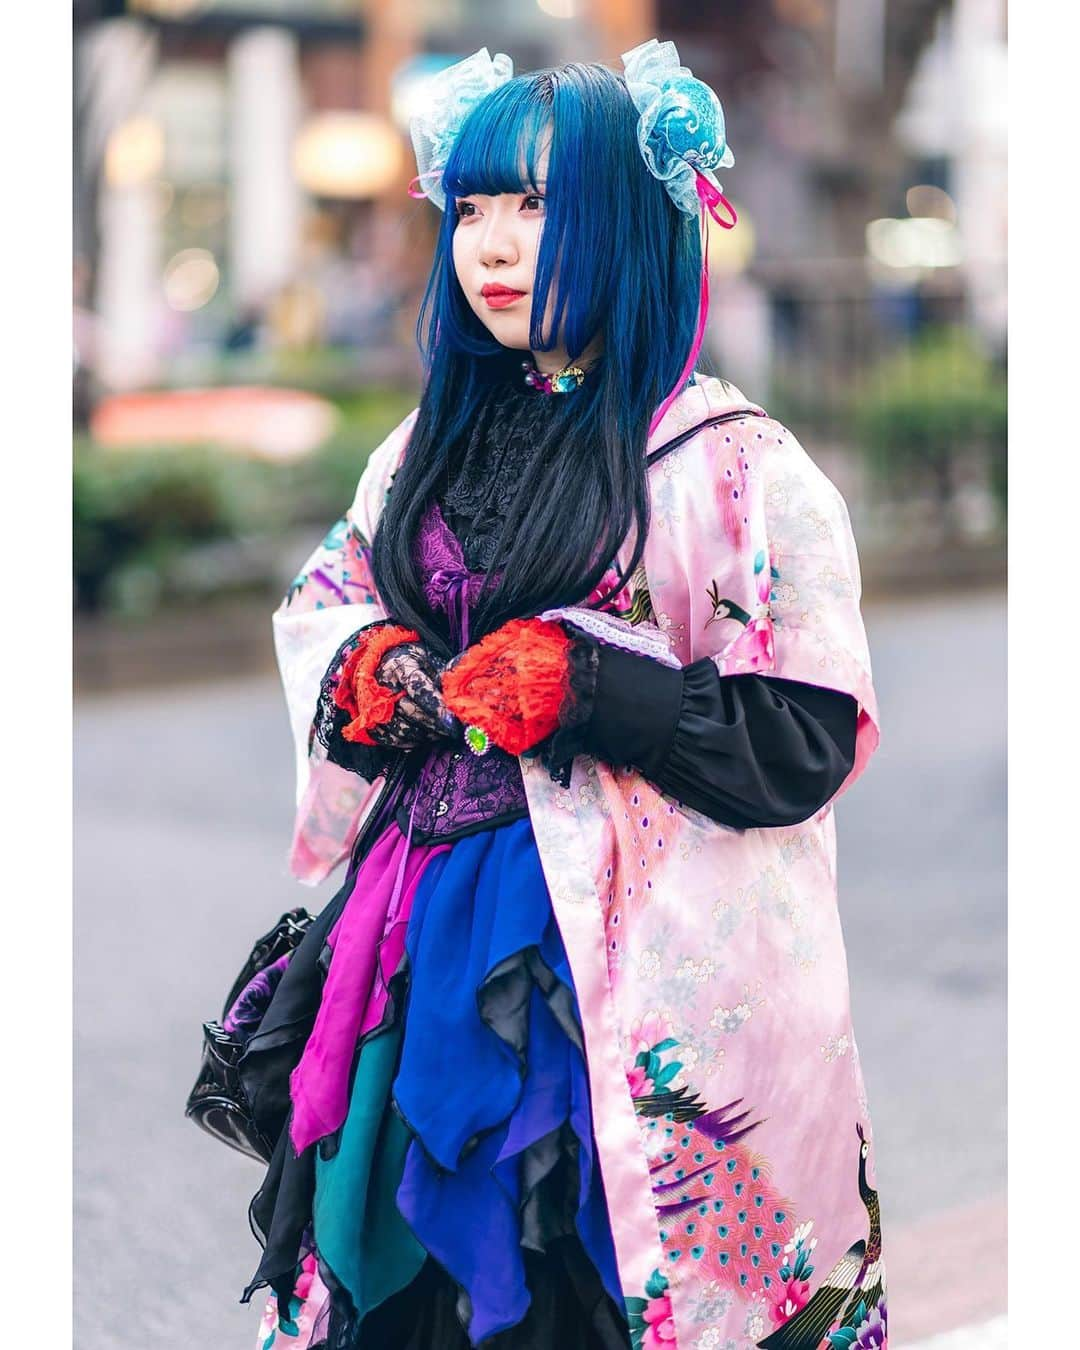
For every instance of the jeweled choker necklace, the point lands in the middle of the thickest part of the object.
(562, 382)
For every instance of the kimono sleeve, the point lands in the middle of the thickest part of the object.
(795, 586)
(333, 596)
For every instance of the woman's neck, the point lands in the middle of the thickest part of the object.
(550, 363)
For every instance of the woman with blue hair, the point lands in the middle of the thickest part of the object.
(573, 686)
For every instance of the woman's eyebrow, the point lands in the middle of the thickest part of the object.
(521, 192)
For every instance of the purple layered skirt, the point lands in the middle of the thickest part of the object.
(486, 1081)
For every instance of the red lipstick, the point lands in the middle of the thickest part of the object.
(498, 297)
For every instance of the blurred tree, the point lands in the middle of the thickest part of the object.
(921, 411)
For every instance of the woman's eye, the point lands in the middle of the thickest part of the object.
(534, 201)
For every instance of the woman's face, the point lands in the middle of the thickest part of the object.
(496, 245)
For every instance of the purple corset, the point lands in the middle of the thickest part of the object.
(456, 791)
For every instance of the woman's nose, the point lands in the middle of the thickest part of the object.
(497, 244)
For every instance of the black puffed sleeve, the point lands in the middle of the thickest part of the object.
(745, 750)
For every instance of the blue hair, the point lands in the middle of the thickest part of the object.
(629, 270)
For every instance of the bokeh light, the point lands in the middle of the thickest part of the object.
(558, 9)
(134, 153)
(731, 251)
(924, 199)
(916, 243)
(191, 279)
(203, 206)
(351, 155)
(170, 9)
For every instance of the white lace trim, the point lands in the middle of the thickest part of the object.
(644, 638)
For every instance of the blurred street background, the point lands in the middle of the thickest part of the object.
(246, 275)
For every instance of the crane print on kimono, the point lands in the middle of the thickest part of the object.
(731, 1118)
(709, 962)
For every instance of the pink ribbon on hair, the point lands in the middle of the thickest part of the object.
(432, 173)
(710, 197)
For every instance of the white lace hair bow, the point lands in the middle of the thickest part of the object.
(450, 96)
(680, 129)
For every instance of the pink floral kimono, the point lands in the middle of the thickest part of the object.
(728, 1103)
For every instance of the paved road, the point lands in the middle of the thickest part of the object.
(183, 811)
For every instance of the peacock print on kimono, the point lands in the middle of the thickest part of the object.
(848, 1310)
(714, 1195)
(720, 1209)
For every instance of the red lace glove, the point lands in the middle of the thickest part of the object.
(359, 693)
(508, 688)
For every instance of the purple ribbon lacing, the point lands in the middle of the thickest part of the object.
(450, 586)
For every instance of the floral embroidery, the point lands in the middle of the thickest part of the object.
(817, 523)
(709, 1303)
(650, 1320)
(697, 970)
(710, 1339)
(793, 1293)
(649, 964)
(618, 603)
(866, 1331)
(803, 952)
(835, 1047)
(755, 1319)
(836, 585)
(341, 566)
(296, 1328)
(783, 596)
(731, 1019)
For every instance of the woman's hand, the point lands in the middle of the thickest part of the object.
(420, 714)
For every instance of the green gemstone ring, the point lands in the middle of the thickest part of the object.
(478, 741)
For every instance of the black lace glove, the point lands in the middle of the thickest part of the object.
(420, 716)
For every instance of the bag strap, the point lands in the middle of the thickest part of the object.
(729, 416)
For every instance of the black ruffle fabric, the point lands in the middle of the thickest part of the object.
(570, 1309)
(748, 751)
(569, 1303)
(571, 738)
(280, 1211)
(569, 1306)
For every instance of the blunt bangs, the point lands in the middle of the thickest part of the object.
(498, 147)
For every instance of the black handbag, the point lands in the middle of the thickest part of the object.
(218, 1102)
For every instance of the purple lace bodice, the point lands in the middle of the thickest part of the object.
(456, 792)
(448, 583)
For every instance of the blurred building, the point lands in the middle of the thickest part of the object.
(244, 240)
(242, 168)
(242, 165)
(870, 144)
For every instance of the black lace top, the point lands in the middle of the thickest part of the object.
(745, 750)
(484, 474)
